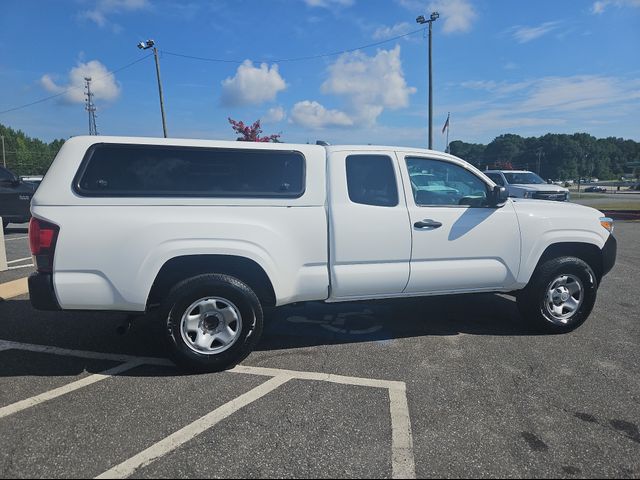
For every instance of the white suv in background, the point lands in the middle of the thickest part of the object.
(525, 184)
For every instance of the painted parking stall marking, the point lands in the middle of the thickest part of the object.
(189, 432)
(70, 387)
(402, 461)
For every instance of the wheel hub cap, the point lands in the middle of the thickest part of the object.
(211, 322)
(211, 325)
(564, 297)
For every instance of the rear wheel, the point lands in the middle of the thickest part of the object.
(212, 322)
(560, 295)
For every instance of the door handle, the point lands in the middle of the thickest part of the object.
(427, 224)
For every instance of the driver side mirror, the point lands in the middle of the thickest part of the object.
(499, 196)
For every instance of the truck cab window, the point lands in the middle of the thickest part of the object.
(371, 180)
(436, 182)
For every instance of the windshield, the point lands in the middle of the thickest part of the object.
(524, 178)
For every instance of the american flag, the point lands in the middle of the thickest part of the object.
(446, 124)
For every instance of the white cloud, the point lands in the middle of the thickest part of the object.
(103, 83)
(458, 15)
(382, 33)
(252, 85)
(311, 114)
(369, 84)
(601, 5)
(537, 106)
(274, 115)
(329, 3)
(579, 92)
(104, 8)
(524, 34)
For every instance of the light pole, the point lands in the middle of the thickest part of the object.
(144, 46)
(421, 20)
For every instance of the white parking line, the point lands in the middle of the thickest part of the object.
(321, 377)
(14, 238)
(182, 436)
(71, 387)
(402, 461)
(402, 457)
(18, 260)
(20, 266)
(65, 352)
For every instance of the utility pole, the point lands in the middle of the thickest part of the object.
(144, 46)
(421, 20)
(538, 164)
(4, 159)
(90, 107)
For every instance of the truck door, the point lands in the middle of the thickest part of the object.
(459, 242)
(369, 230)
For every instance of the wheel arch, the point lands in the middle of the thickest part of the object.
(587, 252)
(182, 267)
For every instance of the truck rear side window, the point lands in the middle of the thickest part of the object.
(118, 170)
(371, 180)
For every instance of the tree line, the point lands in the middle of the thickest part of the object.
(25, 155)
(555, 156)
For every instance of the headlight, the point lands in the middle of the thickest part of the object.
(607, 223)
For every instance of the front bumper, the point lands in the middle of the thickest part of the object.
(41, 292)
(609, 252)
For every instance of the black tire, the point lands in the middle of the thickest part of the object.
(211, 285)
(533, 299)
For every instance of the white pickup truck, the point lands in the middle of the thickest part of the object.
(207, 235)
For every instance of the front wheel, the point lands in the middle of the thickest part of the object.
(212, 322)
(560, 295)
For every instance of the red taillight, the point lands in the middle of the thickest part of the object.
(42, 240)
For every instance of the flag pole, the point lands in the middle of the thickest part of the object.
(448, 128)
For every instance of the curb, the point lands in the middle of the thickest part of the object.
(622, 214)
(14, 288)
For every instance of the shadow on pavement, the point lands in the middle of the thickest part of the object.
(295, 326)
(322, 324)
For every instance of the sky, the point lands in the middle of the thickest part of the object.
(499, 66)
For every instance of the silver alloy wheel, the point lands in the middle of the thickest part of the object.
(563, 298)
(211, 325)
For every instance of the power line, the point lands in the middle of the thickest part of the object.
(294, 59)
(219, 60)
(51, 97)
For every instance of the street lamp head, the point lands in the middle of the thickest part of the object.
(145, 45)
(421, 20)
(434, 16)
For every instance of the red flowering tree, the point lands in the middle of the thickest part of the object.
(251, 133)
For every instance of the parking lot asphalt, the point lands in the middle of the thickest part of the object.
(486, 396)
